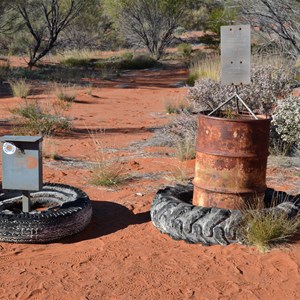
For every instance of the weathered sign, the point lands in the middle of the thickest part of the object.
(235, 54)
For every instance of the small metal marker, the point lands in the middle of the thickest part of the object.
(22, 165)
(235, 54)
(235, 61)
(26, 201)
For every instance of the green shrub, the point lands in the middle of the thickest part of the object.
(138, 62)
(33, 118)
(185, 49)
(127, 62)
(20, 88)
(219, 17)
(191, 79)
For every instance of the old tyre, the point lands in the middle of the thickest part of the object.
(172, 213)
(57, 211)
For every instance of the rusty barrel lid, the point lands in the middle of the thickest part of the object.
(233, 137)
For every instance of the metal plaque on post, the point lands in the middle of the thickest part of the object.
(235, 54)
(22, 165)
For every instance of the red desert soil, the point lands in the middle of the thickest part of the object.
(121, 255)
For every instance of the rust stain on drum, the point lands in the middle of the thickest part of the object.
(31, 162)
(231, 160)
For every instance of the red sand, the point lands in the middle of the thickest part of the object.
(121, 255)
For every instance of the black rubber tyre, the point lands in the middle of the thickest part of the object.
(172, 213)
(66, 211)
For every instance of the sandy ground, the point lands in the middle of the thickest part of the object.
(121, 255)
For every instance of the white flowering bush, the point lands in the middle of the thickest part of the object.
(268, 84)
(286, 119)
(182, 127)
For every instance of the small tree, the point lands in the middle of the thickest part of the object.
(44, 20)
(147, 23)
(6, 17)
(89, 30)
(277, 21)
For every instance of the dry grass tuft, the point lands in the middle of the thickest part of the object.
(108, 171)
(20, 88)
(264, 228)
(65, 92)
(208, 67)
(185, 149)
(50, 148)
(268, 227)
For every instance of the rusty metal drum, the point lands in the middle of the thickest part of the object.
(231, 160)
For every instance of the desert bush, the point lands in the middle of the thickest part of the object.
(77, 58)
(263, 228)
(76, 62)
(208, 67)
(31, 117)
(268, 84)
(185, 49)
(207, 94)
(147, 23)
(218, 17)
(278, 147)
(20, 88)
(286, 118)
(278, 21)
(138, 62)
(125, 61)
(40, 24)
(182, 127)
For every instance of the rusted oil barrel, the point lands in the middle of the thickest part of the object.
(231, 161)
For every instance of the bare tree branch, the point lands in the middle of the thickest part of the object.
(276, 20)
(45, 20)
(150, 24)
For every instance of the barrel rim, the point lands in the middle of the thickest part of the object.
(262, 118)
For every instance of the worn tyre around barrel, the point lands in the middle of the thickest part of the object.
(58, 211)
(173, 213)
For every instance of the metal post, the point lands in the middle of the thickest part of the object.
(237, 101)
(26, 202)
